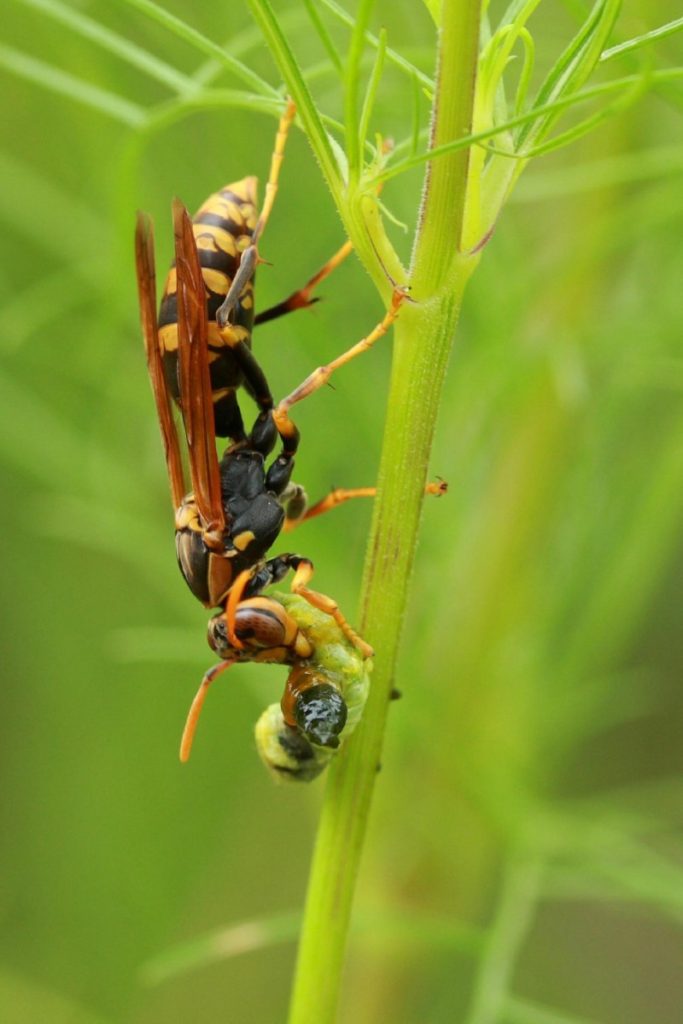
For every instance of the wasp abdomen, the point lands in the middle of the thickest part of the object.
(223, 228)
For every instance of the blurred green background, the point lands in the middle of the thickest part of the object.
(525, 856)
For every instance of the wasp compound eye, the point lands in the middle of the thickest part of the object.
(321, 714)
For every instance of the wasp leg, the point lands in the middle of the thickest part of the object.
(263, 436)
(254, 378)
(302, 576)
(294, 500)
(285, 427)
(301, 299)
(196, 709)
(250, 257)
(235, 595)
(244, 274)
(338, 496)
(275, 165)
(249, 583)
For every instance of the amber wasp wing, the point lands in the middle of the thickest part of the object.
(146, 275)
(196, 399)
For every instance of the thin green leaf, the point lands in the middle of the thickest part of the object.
(516, 910)
(166, 114)
(392, 56)
(60, 293)
(577, 131)
(646, 875)
(203, 43)
(52, 452)
(649, 37)
(300, 93)
(434, 8)
(635, 552)
(404, 929)
(572, 68)
(325, 37)
(247, 937)
(524, 1011)
(63, 224)
(527, 69)
(112, 42)
(511, 28)
(371, 91)
(242, 42)
(653, 163)
(409, 929)
(391, 217)
(517, 13)
(584, 96)
(64, 84)
(174, 111)
(95, 524)
(351, 84)
(416, 128)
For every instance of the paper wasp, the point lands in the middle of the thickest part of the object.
(198, 354)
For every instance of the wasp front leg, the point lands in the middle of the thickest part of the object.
(252, 582)
(302, 576)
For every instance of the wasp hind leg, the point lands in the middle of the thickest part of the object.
(250, 257)
(285, 426)
(263, 436)
(298, 513)
(301, 299)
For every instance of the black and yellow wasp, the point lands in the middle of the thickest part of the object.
(198, 355)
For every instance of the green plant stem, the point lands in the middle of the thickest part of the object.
(519, 899)
(423, 339)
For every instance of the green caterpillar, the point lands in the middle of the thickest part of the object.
(326, 688)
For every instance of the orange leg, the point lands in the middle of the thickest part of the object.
(340, 494)
(302, 298)
(275, 165)
(286, 428)
(234, 598)
(302, 576)
(250, 257)
(195, 711)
